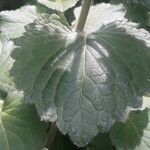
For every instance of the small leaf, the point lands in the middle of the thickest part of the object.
(134, 134)
(12, 22)
(60, 5)
(20, 126)
(84, 82)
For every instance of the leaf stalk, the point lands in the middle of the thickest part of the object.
(83, 15)
(51, 135)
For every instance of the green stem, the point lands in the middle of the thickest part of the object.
(83, 15)
(51, 135)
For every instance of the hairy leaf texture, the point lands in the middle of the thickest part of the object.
(12, 22)
(6, 83)
(86, 82)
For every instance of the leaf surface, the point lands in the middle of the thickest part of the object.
(134, 134)
(135, 11)
(84, 82)
(6, 47)
(60, 5)
(100, 142)
(20, 126)
(146, 3)
(12, 22)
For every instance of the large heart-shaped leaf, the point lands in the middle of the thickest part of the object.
(134, 134)
(85, 82)
(60, 5)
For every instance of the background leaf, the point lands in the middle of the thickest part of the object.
(100, 142)
(20, 126)
(58, 5)
(134, 134)
(6, 47)
(135, 11)
(12, 22)
(146, 3)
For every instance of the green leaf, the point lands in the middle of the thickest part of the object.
(60, 5)
(12, 22)
(20, 127)
(84, 82)
(134, 134)
(6, 83)
(135, 11)
(100, 142)
(146, 3)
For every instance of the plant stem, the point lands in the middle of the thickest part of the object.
(83, 15)
(51, 135)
